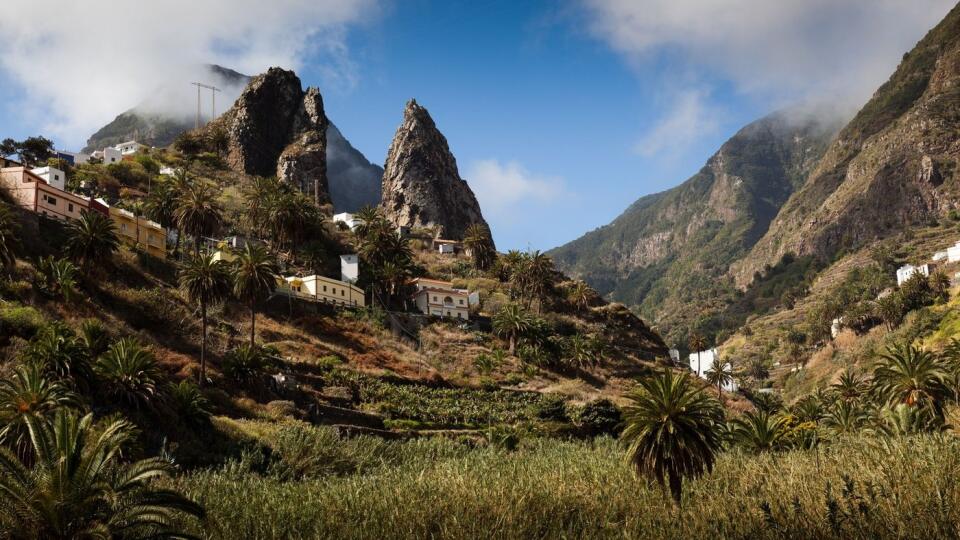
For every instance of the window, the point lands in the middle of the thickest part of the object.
(461, 301)
(70, 207)
(56, 177)
(342, 291)
(49, 200)
(324, 288)
(434, 298)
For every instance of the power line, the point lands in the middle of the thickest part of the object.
(213, 100)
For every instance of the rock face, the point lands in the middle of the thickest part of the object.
(892, 167)
(671, 250)
(277, 128)
(421, 184)
(354, 181)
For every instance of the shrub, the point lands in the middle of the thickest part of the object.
(188, 403)
(552, 407)
(20, 321)
(504, 438)
(600, 417)
(244, 364)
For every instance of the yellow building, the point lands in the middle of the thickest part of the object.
(149, 235)
(322, 289)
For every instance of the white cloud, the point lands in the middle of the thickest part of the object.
(775, 51)
(507, 190)
(690, 117)
(81, 63)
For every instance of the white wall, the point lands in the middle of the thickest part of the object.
(349, 268)
(111, 155)
(706, 361)
(55, 177)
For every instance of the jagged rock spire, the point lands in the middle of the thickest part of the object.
(421, 184)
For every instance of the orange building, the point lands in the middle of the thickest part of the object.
(33, 193)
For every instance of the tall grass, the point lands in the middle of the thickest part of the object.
(856, 488)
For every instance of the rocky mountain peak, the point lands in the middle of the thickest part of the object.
(422, 186)
(276, 127)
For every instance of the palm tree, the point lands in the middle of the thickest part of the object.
(698, 343)
(512, 321)
(477, 239)
(580, 294)
(257, 196)
(77, 484)
(255, 276)
(218, 140)
(161, 206)
(845, 417)
(540, 275)
(849, 386)
(58, 353)
(92, 238)
(28, 392)
(130, 373)
(8, 238)
(198, 213)
(720, 374)
(507, 265)
(288, 217)
(577, 351)
(206, 282)
(913, 376)
(60, 277)
(890, 309)
(760, 430)
(671, 430)
(369, 219)
(940, 284)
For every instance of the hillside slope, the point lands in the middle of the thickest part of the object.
(893, 166)
(673, 248)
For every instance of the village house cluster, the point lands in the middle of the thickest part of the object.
(43, 191)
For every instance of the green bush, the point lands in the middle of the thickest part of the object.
(20, 321)
(244, 364)
(552, 407)
(600, 417)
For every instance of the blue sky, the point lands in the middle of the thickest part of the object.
(560, 114)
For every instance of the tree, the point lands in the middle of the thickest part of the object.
(32, 151)
(218, 140)
(188, 143)
(59, 277)
(255, 276)
(206, 282)
(760, 430)
(198, 213)
(161, 205)
(890, 309)
(845, 417)
(129, 373)
(698, 343)
(849, 386)
(78, 485)
(940, 284)
(720, 374)
(581, 295)
(577, 350)
(913, 376)
(61, 355)
(477, 239)
(369, 219)
(289, 215)
(672, 430)
(512, 321)
(28, 392)
(92, 239)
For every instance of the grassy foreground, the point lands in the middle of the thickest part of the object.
(856, 488)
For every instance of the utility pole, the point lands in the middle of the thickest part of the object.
(213, 101)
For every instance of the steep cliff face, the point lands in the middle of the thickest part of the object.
(277, 128)
(671, 250)
(421, 184)
(354, 182)
(893, 166)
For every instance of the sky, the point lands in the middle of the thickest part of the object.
(560, 114)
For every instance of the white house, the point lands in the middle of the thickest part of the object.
(129, 147)
(73, 158)
(446, 247)
(675, 356)
(55, 177)
(349, 268)
(108, 155)
(348, 218)
(705, 361)
(953, 253)
(322, 289)
(439, 298)
(906, 271)
(168, 171)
